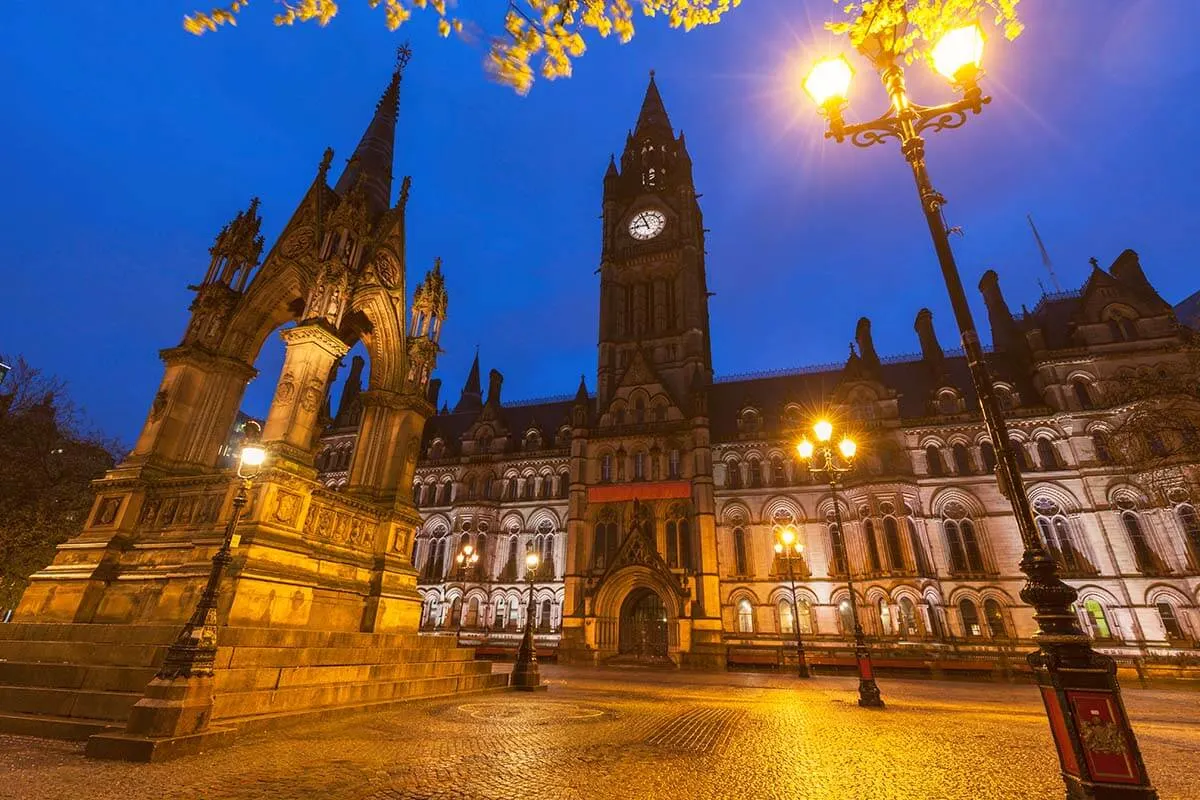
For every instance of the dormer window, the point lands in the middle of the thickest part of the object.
(533, 440)
(437, 449)
(947, 402)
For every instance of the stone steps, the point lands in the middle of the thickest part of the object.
(71, 681)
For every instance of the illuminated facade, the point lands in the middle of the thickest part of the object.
(656, 499)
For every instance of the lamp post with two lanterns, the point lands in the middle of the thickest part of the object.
(1097, 749)
(466, 559)
(821, 458)
(788, 548)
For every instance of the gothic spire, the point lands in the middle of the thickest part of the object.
(653, 121)
(372, 160)
(471, 398)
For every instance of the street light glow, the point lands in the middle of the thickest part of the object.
(532, 561)
(787, 536)
(829, 81)
(253, 455)
(848, 448)
(805, 448)
(958, 50)
(824, 430)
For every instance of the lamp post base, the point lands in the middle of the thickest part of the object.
(525, 676)
(868, 694)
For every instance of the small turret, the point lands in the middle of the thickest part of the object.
(236, 251)
(425, 329)
(1006, 336)
(471, 397)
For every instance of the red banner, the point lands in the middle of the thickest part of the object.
(865, 670)
(1102, 731)
(660, 490)
(1058, 728)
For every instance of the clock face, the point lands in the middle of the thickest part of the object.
(647, 224)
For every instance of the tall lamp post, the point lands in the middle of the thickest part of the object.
(788, 548)
(1097, 749)
(466, 559)
(821, 459)
(194, 650)
(525, 672)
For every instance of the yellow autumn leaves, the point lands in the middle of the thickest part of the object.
(544, 36)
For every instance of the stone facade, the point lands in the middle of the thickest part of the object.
(657, 498)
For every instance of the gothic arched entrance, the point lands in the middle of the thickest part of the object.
(643, 625)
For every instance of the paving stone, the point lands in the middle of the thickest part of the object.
(634, 734)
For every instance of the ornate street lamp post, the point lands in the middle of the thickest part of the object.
(1097, 749)
(194, 650)
(525, 672)
(825, 462)
(466, 559)
(788, 548)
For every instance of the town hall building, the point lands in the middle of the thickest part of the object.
(656, 491)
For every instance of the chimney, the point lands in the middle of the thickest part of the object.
(931, 349)
(435, 388)
(1005, 335)
(493, 395)
(862, 335)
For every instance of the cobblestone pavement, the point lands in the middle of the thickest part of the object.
(642, 734)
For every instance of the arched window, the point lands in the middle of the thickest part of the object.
(988, 454)
(1147, 560)
(545, 616)
(1047, 454)
(1122, 328)
(786, 622)
(1170, 621)
(954, 546)
(891, 542)
(995, 619)
(733, 475)
(837, 550)
(1101, 447)
(962, 461)
(1056, 534)
(527, 488)
(456, 613)
(564, 483)
(673, 462)
(1021, 454)
(971, 545)
(745, 616)
(970, 618)
(933, 461)
(514, 615)
(639, 410)
(755, 473)
(914, 540)
(741, 562)
(639, 466)
(471, 619)
(947, 403)
(873, 562)
(1083, 394)
(660, 412)
(909, 628)
(778, 473)
(498, 613)
(606, 465)
(679, 539)
(804, 617)
(846, 616)
(1190, 522)
(1097, 621)
(885, 617)
(418, 494)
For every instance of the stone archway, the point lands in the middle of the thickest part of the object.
(643, 626)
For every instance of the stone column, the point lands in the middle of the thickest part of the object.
(291, 427)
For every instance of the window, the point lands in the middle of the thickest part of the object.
(564, 483)
(745, 616)
(873, 562)
(639, 466)
(885, 618)
(733, 475)
(786, 621)
(498, 614)
(995, 619)
(804, 617)
(660, 412)
(914, 539)
(1056, 534)
(933, 461)
(970, 618)
(1101, 448)
(962, 461)
(510, 488)
(891, 542)
(1047, 454)
(471, 619)
(755, 473)
(470, 488)
(1170, 621)
(514, 615)
(545, 616)
(679, 539)
(1190, 522)
(1021, 454)
(1147, 560)
(988, 453)
(909, 629)
(947, 403)
(1097, 622)
(604, 544)
(961, 541)
(673, 461)
(741, 563)
(1122, 328)
(846, 616)
(778, 473)
(1083, 394)
(533, 440)
(418, 494)
(606, 463)
(837, 549)
(527, 488)
(639, 410)
(971, 545)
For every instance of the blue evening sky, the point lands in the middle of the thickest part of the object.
(129, 143)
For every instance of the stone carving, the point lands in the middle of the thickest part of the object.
(338, 527)
(106, 514)
(311, 398)
(299, 243)
(386, 270)
(286, 505)
(158, 406)
(287, 388)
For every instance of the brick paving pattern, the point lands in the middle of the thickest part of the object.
(642, 734)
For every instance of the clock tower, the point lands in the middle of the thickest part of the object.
(653, 293)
